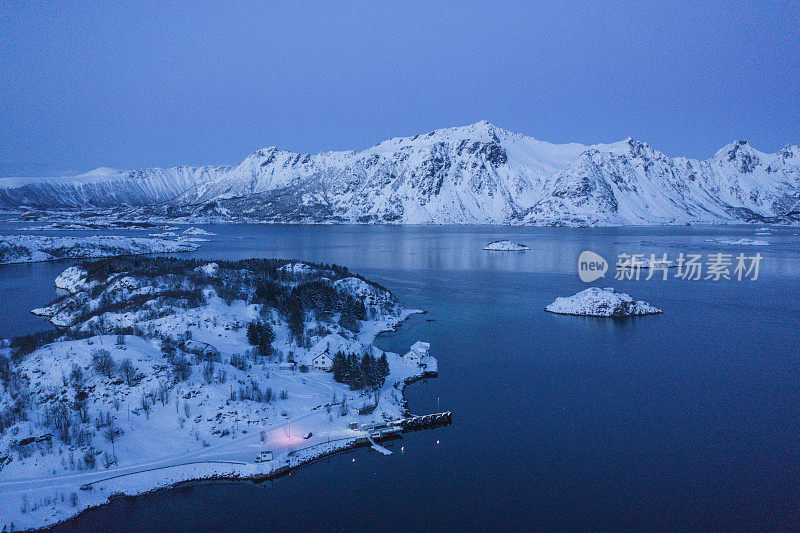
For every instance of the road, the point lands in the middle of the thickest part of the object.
(281, 438)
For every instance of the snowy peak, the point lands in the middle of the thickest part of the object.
(790, 151)
(743, 156)
(480, 131)
(473, 174)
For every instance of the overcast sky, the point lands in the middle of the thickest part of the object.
(195, 83)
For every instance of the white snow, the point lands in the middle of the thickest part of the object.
(744, 241)
(505, 246)
(596, 301)
(197, 231)
(34, 248)
(211, 270)
(198, 431)
(105, 187)
(475, 174)
(295, 268)
(74, 279)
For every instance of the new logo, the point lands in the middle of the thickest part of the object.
(591, 266)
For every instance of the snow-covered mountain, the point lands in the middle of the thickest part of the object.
(476, 174)
(105, 187)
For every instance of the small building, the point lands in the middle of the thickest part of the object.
(286, 365)
(419, 351)
(412, 358)
(264, 456)
(322, 362)
(320, 356)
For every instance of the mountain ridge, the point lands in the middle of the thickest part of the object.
(474, 174)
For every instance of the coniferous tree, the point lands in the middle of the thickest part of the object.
(339, 367)
(297, 320)
(355, 377)
(383, 368)
(261, 335)
(368, 376)
(359, 372)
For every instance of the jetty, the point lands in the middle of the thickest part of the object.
(423, 421)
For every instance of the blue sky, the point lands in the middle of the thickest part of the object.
(128, 86)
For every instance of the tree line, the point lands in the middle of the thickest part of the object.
(365, 371)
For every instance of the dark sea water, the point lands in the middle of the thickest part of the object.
(686, 420)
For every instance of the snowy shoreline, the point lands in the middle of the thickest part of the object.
(38, 249)
(117, 221)
(41, 484)
(244, 474)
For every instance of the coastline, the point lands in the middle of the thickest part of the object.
(106, 489)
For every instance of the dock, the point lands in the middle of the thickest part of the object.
(377, 447)
(423, 421)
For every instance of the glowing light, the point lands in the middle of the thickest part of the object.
(437, 442)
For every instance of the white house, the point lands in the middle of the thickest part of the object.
(412, 358)
(322, 362)
(418, 351)
(320, 356)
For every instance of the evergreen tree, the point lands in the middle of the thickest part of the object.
(383, 368)
(368, 375)
(339, 367)
(348, 320)
(355, 377)
(297, 319)
(360, 372)
(261, 335)
(168, 348)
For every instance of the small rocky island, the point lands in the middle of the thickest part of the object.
(596, 301)
(505, 246)
(166, 370)
(197, 231)
(744, 241)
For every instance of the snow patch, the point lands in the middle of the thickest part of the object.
(211, 270)
(74, 279)
(505, 246)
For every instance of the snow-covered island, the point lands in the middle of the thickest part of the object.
(197, 231)
(744, 241)
(505, 246)
(35, 248)
(596, 301)
(645, 263)
(166, 370)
